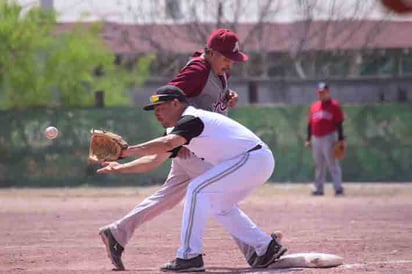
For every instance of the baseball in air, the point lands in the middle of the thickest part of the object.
(51, 133)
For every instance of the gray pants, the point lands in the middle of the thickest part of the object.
(322, 150)
(168, 196)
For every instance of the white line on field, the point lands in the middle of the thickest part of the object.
(381, 262)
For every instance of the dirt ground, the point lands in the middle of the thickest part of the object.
(55, 230)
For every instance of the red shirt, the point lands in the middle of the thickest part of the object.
(324, 116)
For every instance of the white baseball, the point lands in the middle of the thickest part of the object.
(51, 132)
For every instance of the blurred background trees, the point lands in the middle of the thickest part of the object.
(139, 44)
(294, 39)
(40, 66)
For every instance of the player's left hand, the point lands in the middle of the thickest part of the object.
(342, 143)
(233, 98)
(339, 149)
(108, 168)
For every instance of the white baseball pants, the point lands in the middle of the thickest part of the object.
(167, 197)
(218, 191)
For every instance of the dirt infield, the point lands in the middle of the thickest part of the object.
(55, 230)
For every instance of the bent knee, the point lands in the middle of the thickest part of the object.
(221, 210)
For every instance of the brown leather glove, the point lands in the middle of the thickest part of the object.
(105, 146)
(339, 150)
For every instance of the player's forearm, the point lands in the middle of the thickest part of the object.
(339, 127)
(134, 167)
(309, 132)
(155, 146)
(141, 165)
(159, 145)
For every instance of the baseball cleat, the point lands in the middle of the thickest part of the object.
(113, 248)
(185, 265)
(274, 251)
(340, 192)
(277, 235)
(317, 193)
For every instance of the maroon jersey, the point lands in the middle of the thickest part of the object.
(203, 88)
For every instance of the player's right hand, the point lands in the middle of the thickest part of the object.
(232, 98)
(108, 167)
(308, 144)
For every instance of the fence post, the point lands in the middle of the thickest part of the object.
(99, 99)
(402, 96)
(253, 92)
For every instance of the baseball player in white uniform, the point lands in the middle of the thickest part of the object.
(204, 81)
(240, 162)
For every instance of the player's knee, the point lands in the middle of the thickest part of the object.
(193, 188)
(221, 210)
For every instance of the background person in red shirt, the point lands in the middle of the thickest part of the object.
(325, 121)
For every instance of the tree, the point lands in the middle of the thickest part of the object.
(21, 40)
(40, 66)
(306, 50)
(313, 49)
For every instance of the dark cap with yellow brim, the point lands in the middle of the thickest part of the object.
(165, 94)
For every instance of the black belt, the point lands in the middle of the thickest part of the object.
(257, 147)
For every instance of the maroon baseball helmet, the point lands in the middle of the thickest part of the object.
(226, 42)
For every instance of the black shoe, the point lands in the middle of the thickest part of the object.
(185, 265)
(317, 193)
(339, 192)
(113, 248)
(274, 251)
(277, 235)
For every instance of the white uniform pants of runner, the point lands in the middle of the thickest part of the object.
(322, 150)
(218, 191)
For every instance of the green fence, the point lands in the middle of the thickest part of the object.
(379, 144)
(379, 141)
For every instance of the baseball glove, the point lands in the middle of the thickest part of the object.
(105, 146)
(339, 150)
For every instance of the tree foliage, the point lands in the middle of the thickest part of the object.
(40, 66)
(285, 39)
